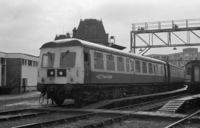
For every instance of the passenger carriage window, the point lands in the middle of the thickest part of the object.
(48, 60)
(127, 65)
(144, 67)
(172, 71)
(132, 66)
(67, 59)
(98, 60)
(137, 66)
(150, 68)
(120, 63)
(110, 62)
(154, 69)
(161, 70)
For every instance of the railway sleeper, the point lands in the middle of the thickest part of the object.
(107, 122)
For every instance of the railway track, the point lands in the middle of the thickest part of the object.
(185, 122)
(146, 103)
(128, 102)
(59, 117)
(39, 118)
(23, 113)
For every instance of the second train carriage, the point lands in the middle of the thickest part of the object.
(84, 71)
(192, 77)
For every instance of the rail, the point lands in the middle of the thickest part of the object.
(182, 120)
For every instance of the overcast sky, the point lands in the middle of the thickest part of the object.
(27, 24)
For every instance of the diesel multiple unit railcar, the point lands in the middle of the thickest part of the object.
(85, 71)
(192, 77)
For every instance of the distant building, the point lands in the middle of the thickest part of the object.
(179, 59)
(18, 72)
(92, 30)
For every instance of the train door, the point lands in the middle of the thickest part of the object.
(3, 73)
(87, 66)
(132, 67)
(166, 73)
(155, 70)
(196, 74)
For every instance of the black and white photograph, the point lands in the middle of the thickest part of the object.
(99, 64)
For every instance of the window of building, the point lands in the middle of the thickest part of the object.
(98, 60)
(120, 63)
(30, 62)
(128, 65)
(24, 61)
(137, 66)
(35, 63)
(67, 59)
(110, 62)
(150, 68)
(144, 67)
(48, 60)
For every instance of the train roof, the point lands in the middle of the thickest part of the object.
(193, 62)
(82, 43)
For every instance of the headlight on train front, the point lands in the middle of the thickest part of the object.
(51, 72)
(61, 72)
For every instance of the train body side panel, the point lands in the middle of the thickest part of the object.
(106, 77)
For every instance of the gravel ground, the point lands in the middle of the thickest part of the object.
(18, 104)
(139, 123)
(79, 123)
(37, 119)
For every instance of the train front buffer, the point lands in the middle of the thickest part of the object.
(58, 84)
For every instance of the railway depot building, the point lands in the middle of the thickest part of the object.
(179, 59)
(18, 72)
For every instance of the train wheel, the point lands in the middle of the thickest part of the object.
(59, 99)
(116, 93)
(78, 103)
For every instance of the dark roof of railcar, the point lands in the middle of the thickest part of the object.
(193, 62)
(82, 43)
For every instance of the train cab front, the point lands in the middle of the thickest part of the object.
(59, 70)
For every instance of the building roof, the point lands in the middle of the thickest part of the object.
(18, 55)
(91, 30)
